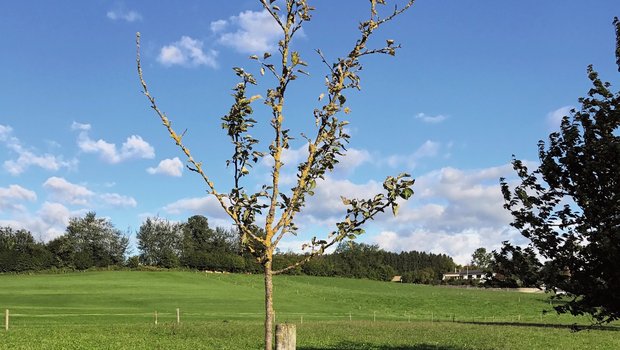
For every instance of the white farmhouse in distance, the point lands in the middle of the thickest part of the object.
(464, 275)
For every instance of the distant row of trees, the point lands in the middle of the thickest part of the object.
(88, 242)
(91, 241)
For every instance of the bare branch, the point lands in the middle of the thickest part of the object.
(272, 13)
(396, 12)
(197, 166)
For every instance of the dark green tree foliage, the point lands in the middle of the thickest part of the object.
(481, 259)
(569, 207)
(20, 252)
(90, 242)
(208, 249)
(360, 260)
(159, 242)
(62, 252)
(515, 267)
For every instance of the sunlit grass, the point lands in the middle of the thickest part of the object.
(116, 310)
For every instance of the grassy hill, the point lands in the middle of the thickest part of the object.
(116, 310)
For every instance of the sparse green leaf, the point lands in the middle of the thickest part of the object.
(395, 209)
(406, 193)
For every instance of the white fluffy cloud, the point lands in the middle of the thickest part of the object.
(453, 212)
(458, 244)
(352, 159)
(53, 219)
(554, 118)
(428, 149)
(252, 32)
(67, 192)
(118, 200)
(187, 52)
(47, 223)
(125, 15)
(431, 119)
(454, 199)
(208, 206)
(133, 148)
(27, 157)
(10, 196)
(218, 26)
(325, 208)
(170, 167)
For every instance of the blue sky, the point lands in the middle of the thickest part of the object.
(474, 83)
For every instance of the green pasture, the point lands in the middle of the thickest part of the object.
(116, 310)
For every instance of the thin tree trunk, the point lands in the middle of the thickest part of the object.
(268, 306)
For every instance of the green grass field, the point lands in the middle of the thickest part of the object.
(115, 310)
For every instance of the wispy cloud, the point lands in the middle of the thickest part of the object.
(133, 148)
(79, 126)
(118, 200)
(431, 119)
(27, 157)
(69, 193)
(170, 167)
(554, 118)
(429, 149)
(207, 205)
(12, 195)
(124, 15)
(187, 52)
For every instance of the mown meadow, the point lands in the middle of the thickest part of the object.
(116, 310)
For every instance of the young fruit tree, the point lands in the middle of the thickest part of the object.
(569, 206)
(278, 208)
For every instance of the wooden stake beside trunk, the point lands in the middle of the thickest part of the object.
(286, 337)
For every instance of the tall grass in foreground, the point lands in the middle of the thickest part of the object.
(384, 335)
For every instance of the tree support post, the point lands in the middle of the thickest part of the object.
(6, 320)
(286, 337)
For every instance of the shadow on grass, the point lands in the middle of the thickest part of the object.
(572, 327)
(360, 346)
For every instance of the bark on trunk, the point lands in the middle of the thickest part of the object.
(268, 306)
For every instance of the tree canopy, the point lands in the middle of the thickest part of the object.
(481, 259)
(569, 206)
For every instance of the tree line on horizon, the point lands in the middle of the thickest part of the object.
(93, 242)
